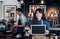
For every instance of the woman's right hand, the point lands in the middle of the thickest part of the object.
(29, 31)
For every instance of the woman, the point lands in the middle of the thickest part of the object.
(38, 18)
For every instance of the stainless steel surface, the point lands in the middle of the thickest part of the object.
(54, 28)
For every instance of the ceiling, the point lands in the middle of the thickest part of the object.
(47, 2)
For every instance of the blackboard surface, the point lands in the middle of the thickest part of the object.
(38, 29)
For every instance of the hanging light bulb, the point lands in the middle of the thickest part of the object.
(42, 1)
(21, 1)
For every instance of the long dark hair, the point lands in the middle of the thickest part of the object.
(34, 15)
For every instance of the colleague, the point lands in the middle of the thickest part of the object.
(38, 18)
(21, 21)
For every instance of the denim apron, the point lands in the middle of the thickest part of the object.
(20, 29)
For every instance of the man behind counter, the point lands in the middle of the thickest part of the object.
(21, 21)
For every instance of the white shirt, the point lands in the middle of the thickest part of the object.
(22, 18)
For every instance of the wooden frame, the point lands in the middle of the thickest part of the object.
(32, 8)
(8, 9)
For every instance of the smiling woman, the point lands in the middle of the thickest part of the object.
(38, 20)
